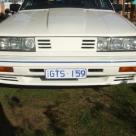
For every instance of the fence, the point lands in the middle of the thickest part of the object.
(128, 9)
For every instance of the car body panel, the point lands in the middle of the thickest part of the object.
(60, 39)
(67, 22)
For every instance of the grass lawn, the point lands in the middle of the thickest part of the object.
(80, 111)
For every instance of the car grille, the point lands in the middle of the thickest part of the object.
(43, 43)
(124, 78)
(88, 44)
(8, 78)
(66, 43)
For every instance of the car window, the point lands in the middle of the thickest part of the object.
(43, 4)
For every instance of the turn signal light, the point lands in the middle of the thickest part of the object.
(6, 69)
(127, 69)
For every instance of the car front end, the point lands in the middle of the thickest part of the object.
(67, 47)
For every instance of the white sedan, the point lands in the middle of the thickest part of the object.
(67, 43)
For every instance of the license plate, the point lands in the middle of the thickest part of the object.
(65, 73)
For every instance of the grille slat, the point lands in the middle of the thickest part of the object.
(44, 40)
(44, 44)
(87, 44)
(36, 70)
(88, 40)
(124, 78)
(95, 70)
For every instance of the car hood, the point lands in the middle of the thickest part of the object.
(67, 22)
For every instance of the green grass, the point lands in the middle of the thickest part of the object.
(80, 111)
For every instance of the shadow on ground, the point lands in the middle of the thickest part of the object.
(6, 128)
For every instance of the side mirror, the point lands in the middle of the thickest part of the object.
(14, 7)
(117, 7)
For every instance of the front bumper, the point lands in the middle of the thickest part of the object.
(98, 73)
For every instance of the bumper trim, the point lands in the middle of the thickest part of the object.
(66, 62)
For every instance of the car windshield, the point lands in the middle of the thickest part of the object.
(45, 4)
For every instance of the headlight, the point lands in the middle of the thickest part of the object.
(17, 44)
(116, 44)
